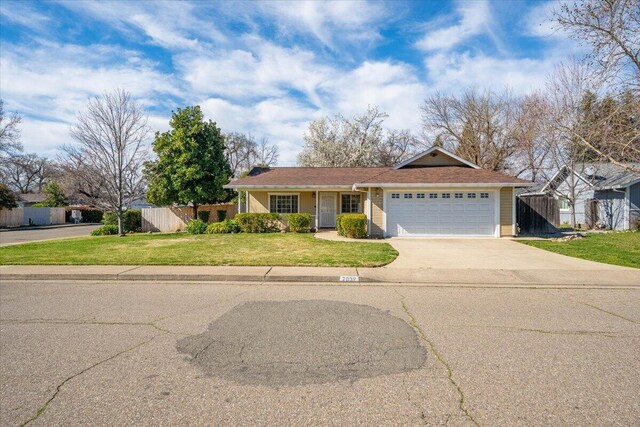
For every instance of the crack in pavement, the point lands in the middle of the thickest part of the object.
(606, 311)
(87, 322)
(41, 410)
(414, 323)
(608, 334)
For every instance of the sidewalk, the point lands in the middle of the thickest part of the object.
(372, 276)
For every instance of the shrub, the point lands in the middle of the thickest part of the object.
(354, 225)
(259, 222)
(195, 226)
(203, 216)
(89, 215)
(339, 228)
(300, 222)
(636, 224)
(222, 214)
(105, 230)
(131, 220)
(223, 227)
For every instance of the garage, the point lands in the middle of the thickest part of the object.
(428, 213)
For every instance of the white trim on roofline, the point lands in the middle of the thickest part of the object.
(289, 187)
(446, 185)
(552, 179)
(431, 150)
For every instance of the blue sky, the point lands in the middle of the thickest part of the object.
(265, 68)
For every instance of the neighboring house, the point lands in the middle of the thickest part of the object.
(607, 195)
(26, 200)
(436, 193)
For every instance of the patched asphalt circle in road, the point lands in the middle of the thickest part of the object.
(304, 342)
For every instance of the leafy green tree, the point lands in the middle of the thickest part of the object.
(7, 198)
(191, 167)
(55, 196)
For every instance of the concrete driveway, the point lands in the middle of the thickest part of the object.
(118, 353)
(489, 254)
(12, 237)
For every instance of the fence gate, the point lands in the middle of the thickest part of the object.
(538, 214)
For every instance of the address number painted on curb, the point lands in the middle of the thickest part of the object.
(349, 278)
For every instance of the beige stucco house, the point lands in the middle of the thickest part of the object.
(436, 193)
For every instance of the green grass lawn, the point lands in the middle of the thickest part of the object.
(611, 248)
(208, 249)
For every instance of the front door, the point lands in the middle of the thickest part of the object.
(327, 210)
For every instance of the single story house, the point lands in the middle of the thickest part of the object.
(435, 193)
(606, 195)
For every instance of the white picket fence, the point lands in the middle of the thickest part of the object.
(31, 216)
(176, 218)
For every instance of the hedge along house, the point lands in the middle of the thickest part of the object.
(434, 194)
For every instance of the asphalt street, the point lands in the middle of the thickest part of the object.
(139, 353)
(11, 237)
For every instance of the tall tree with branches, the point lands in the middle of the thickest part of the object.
(611, 28)
(192, 166)
(9, 131)
(110, 150)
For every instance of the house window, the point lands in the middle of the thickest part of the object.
(446, 195)
(433, 195)
(420, 196)
(471, 195)
(564, 204)
(395, 195)
(484, 195)
(283, 203)
(459, 195)
(350, 203)
(408, 195)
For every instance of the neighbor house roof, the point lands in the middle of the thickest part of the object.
(32, 197)
(599, 175)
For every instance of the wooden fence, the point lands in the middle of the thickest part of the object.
(31, 216)
(176, 218)
(539, 214)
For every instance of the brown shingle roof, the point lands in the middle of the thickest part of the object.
(442, 175)
(307, 176)
(291, 176)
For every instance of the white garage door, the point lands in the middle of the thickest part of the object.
(440, 213)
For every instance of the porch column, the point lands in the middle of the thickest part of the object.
(246, 201)
(317, 210)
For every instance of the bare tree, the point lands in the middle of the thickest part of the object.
(244, 153)
(110, 151)
(358, 141)
(9, 131)
(266, 154)
(478, 126)
(612, 29)
(25, 173)
(566, 89)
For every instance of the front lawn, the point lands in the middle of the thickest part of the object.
(210, 249)
(611, 248)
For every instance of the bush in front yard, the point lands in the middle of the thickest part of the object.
(354, 225)
(131, 220)
(195, 226)
(89, 215)
(300, 222)
(339, 228)
(222, 214)
(105, 230)
(259, 222)
(223, 227)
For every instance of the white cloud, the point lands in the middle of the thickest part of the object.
(328, 21)
(474, 19)
(454, 72)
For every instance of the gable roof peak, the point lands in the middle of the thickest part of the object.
(433, 151)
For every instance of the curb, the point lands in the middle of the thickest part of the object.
(184, 278)
(47, 227)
